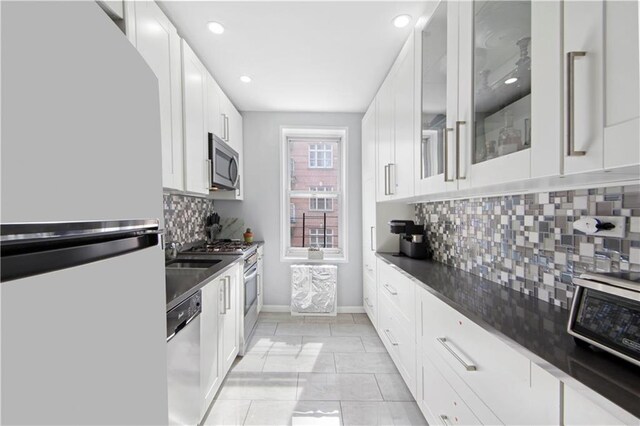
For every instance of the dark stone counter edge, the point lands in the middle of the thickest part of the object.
(603, 399)
(204, 281)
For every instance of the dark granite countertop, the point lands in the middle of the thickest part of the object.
(531, 326)
(182, 283)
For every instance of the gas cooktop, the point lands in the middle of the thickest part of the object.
(221, 247)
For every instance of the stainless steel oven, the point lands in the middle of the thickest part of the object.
(250, 293)
(222, 165)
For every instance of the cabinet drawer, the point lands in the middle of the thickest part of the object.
(486, 365)
(398, 335)
(399, 289)
(370, 299)
(439, 402)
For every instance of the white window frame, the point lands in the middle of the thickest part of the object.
(336, 254)
(317, 234)
(315, 200)
(326, 149)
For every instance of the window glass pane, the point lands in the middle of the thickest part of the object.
(502, 89)
(314, 162)
(313, 222)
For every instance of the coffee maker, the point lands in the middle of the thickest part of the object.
(412, 240)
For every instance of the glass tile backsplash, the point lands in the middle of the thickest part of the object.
(527, 241)
(184, 217)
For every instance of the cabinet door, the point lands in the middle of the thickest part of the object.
(578, 410)
(194, 77)
(368, 191)
(210, 377)
(583, 109)
(385, 143)
(499, 127)
(403, 123)
(622, 123)
(437, 46)
(159, 44)
(214, 116)
(230, 319)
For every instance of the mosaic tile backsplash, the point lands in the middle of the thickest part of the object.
(184, 217)
(527, 242)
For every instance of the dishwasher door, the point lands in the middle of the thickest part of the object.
(183, 372)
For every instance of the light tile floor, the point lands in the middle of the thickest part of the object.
(314, 371)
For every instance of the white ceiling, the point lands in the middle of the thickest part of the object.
(301, 55)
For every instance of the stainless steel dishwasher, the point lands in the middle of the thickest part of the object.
(183, 361)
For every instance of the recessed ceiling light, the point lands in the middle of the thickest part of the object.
(511, 80)
(245, 79)
(215, 27)
(401, 21)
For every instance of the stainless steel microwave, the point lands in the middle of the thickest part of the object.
(605, 313)
(223, 165)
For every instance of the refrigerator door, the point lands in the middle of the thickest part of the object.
(86, 345)
(80, 117)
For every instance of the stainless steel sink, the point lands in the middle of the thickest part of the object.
(192, 263)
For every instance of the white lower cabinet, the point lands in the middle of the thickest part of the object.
(210, 374)
(260, 278)
(579, 410)
(219, 332)
(370, 298)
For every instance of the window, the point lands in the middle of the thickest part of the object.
(316, 238)
(321, 204)
(313, 192)
(320, 156)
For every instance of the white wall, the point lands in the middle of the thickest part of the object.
(261, 207)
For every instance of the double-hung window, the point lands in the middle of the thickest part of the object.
(313, 212)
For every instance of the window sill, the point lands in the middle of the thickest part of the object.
(328, 258)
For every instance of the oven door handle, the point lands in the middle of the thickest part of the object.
(252, 275)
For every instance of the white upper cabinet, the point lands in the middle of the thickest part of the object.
(369, 191)
(194, 76)
(436, 45)
(403, 118)
(395, 128)
(622, 115)
(214, 115)
(159, 44)
(584, 88)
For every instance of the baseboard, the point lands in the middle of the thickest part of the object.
(341, 309)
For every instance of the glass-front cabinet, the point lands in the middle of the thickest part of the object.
(437, 43)
(490, 94)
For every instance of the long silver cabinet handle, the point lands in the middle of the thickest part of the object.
(386, 179)
(391, 339)
(223, 297)
(371, 239)
(446, 154)
(458, 175)
(571, 58)
(467, 365)
(445, 420)
(390, 289)
(392, 186)
(226, 118)
(228, 293)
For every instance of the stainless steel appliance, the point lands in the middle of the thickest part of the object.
(83, 299)
(223, 165)
(411, 239)
(605, 313)
(250, 294)
(249, 252)
(183, 361)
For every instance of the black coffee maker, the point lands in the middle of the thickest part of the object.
(412, 239)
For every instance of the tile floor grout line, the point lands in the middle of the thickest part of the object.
(246, 416)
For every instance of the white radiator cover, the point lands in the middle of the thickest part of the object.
(313, 289)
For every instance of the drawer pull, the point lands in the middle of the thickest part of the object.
(391, 339)
(468, 366)
(445, 420)
(390, 289)
(366, 299)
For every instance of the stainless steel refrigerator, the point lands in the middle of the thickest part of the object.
(82, 292)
